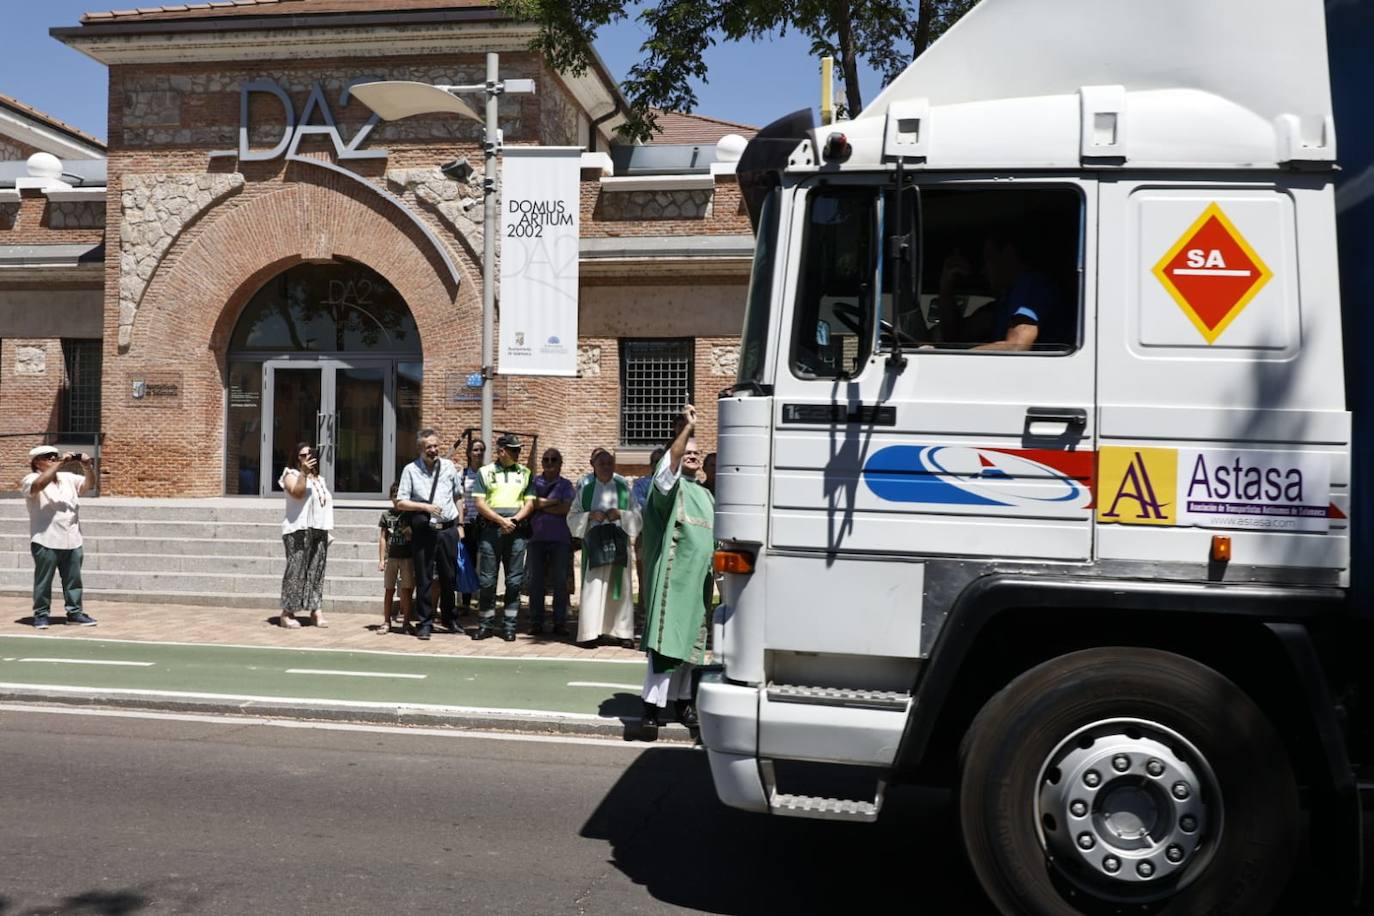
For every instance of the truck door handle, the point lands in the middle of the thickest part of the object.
(1074, 417)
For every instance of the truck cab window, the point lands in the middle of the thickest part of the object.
(1000, 269)
(832, 332)
(754, 341)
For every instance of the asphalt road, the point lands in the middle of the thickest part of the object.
(124, 814)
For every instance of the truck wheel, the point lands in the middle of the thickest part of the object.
(1127, 780)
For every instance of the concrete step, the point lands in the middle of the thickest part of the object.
(182, 531)
(220, 511)
(267, 604)
(191, 547)
(338, 567)
(201, 582)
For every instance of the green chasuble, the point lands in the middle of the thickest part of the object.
(678, 547)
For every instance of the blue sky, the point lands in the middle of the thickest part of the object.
(751, 84)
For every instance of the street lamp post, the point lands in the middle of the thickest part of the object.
(395, 99)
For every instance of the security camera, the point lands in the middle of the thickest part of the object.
(457, 170)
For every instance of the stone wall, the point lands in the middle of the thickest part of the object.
(76, 214)
(154, 210)
(714, 211)
(654, 205)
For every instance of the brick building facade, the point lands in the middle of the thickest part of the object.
(235, 289)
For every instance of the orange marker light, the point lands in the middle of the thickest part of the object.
(734, 561)
(1221, 548)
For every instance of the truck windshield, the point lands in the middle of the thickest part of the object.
(754, 343)
(832, 335)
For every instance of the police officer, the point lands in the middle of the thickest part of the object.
(505, 500)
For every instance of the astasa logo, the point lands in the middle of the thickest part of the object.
(954, 475)
(1137, 486)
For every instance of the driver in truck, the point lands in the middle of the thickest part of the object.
(1026, 299)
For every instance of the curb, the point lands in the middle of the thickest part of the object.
(399, 715)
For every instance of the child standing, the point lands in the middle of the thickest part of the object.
(394, 559)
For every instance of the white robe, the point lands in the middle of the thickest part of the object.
(600, 613)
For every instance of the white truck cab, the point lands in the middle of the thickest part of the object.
(1036, 475)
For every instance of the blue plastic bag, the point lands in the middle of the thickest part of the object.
(467, 572)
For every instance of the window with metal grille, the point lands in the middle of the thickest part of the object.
(81, 389)
(655, 381)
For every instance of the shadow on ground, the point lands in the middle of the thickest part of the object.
(88, 903)
(668, 832)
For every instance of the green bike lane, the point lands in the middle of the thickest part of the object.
(557, 688)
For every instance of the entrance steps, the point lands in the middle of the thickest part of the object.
(224, 552)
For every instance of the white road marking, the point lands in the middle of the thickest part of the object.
(412, 677)
(238, 721)
(1213, 272)
(604, 684)
(87, 661)
(312, 701)
(230, 645)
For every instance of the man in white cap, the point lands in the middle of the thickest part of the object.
(52, 496)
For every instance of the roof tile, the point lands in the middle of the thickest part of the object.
(44, 118)
(275, 7)
(678, 128)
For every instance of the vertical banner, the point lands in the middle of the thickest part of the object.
(540, 206)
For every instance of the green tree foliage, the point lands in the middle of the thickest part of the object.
(887, 34)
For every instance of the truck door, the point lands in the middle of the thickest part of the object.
(978, 441)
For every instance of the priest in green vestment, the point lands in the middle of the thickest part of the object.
(678, 522)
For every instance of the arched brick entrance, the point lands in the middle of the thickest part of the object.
(183, 324)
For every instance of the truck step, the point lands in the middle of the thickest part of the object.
(833, 809)
(895, 700)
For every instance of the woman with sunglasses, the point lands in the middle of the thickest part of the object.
(306, 533)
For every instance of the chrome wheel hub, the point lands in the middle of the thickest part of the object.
(1128, 809)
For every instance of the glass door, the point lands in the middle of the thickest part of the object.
(359, 429)
(293, 412)
(345, 408)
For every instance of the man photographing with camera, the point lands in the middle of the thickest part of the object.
(52, 496)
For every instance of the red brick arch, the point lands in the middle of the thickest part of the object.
(188, 313)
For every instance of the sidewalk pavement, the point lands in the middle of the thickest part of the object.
(491, 684)
(175, 623)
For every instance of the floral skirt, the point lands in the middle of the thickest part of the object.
(302, 585)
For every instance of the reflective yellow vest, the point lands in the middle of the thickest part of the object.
(507, 488)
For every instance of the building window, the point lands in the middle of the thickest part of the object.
(81, 386)
(655, 382)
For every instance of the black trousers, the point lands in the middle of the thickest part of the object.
(435, 554)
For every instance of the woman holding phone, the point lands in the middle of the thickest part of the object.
(306, 532)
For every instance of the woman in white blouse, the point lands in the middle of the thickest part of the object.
(306, 532)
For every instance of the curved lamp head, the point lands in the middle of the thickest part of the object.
(396, 99)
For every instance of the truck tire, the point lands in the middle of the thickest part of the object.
(1121, 779)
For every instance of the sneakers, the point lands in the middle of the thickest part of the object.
(81, 619)
(422, 632)
(483, 632)
(508, 635)
(40, 621)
